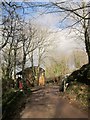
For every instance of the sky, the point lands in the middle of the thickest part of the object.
(66, 40)
(50, 20)
(46, 0)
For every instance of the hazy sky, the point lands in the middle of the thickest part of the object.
(48, 0)
(65, 40)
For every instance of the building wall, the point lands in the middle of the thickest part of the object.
(42, 79)
(28, 75)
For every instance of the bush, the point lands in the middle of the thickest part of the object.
(9, 103)
(80, 92)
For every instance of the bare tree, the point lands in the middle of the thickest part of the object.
(42, 49)
(9, 15)
(11, 26)
(78, 13)
(81, 14)
(29, 44)
(17, 35)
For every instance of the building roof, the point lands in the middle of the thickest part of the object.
(30, 69)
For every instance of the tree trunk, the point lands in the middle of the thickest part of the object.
(23, 66)
(87, 44)
(87, 37)
(15, 54)
(32, 65)
(38, 70)
(38, 73)
(23, 73)
(9, 67)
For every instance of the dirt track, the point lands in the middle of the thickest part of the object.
(47, 103)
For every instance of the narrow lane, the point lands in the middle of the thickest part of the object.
(47, 103)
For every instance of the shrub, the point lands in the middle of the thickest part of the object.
(9, 103)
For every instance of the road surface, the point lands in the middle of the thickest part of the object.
(47, 103)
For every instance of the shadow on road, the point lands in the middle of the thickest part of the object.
(47, 103)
